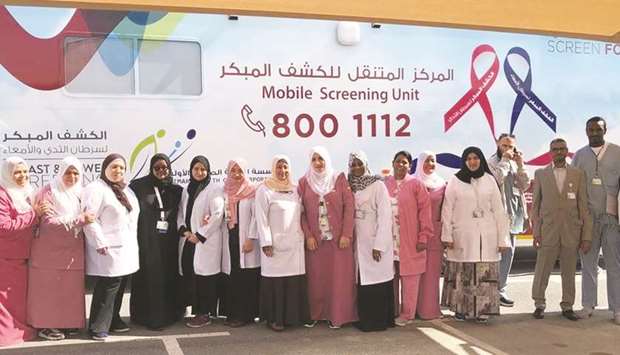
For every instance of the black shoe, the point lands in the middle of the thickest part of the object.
(506, 302)
(569, 314)
(118, 326)
(539, 313)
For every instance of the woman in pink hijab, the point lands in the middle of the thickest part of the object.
(428, 297)
(241, 254)
(327, 222)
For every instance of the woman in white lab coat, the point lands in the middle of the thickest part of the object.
(373, 248)
(111, 244)
(283, 289)
(241, 250)
(475, 233)
(200, 219)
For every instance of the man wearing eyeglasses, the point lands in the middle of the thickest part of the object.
(562, 225)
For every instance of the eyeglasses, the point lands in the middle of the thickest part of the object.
(160, 168)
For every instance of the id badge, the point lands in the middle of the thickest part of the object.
(571, 195)
(597, 181)
(360, 214)
(162, 226)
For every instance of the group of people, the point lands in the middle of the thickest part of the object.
(353, 248)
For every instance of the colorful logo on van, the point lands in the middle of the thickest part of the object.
(40, 62)
(151, 141)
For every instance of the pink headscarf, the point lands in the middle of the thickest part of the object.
(237, 190)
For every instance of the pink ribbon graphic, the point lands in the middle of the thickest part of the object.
(477, 93)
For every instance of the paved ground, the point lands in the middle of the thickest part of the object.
(515, 332)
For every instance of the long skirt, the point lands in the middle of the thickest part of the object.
(331, 283)
(13, 284)
(56, 298)
(428, 299)
(471, 288)
(284, 300)
(243, 285)
(375, 306)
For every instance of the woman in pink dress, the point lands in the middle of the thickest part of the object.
(428, 297)
(327, 222)
(56, 269)
(411, 229)
(17, 218)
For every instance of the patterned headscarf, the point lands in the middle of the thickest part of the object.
(359, 183)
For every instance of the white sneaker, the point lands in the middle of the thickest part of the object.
(401, 322)
(585, 312)
(617, 318)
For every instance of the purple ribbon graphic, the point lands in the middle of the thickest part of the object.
(525, 95)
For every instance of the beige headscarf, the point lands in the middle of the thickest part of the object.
(273, 183)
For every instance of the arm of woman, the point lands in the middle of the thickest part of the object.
(92, 201)
(261, 211)
(9, 224)
(384, 218)
(348, 211)
(311, 242)
(214, 208)
(447, 211)
(425, 220)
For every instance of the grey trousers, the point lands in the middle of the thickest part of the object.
(106, 303)
(605, 237)
(545, 260)
(505, 265)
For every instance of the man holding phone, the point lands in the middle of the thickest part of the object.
(507, 168)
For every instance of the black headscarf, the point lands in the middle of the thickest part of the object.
(465, 175)
(117, 187)
(194, 187)
(156, 181)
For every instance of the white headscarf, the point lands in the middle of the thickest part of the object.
(66, 200)
(322, 183)
(431, 181)
(20, 195)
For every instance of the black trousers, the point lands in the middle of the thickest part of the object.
(106, 305)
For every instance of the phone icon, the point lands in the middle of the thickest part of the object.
(254, 126)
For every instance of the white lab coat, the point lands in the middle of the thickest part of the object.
(247, 230)
(208, 254)
(114, 228)
(278, 222)
(373, 230)
(475, 239)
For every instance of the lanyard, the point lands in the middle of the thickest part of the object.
(161, 204)
(596, 155)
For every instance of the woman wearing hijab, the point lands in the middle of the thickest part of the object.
(428, 298)
(373, 248)
(111, 244)
(56, 269)
(200, 219)
(283, 288)
(154, 287)
(241, 257)
(327, 222)
(475, 232)
(17, 218)
(412, 227)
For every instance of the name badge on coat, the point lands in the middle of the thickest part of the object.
(162, 226)
(571, 195)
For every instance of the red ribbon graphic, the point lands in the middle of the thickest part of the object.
(477, 93)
